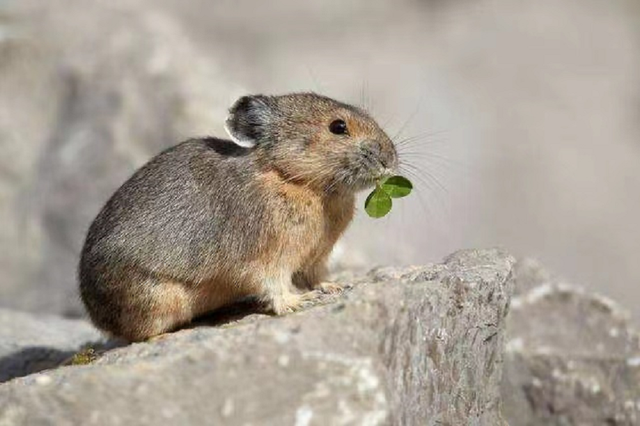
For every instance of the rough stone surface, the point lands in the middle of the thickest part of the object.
(404, 346)
(29, 343)
(571, 357)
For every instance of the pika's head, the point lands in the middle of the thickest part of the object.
(314, 140)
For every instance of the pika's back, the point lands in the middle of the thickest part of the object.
(170, 211)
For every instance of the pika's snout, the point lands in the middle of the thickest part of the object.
(381, 156)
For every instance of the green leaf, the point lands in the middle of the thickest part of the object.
(397, 186)
(378, 203)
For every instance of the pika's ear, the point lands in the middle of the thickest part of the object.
(248, 118)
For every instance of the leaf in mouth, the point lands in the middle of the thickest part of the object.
(397, 186)
(378, 204)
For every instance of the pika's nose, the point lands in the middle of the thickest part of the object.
(380, 154)
(387, 155)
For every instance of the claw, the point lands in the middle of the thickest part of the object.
(330, 288)
(290, 303)
(311, 296)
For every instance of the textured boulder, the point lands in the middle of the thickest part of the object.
(571, 359)
(406, 346)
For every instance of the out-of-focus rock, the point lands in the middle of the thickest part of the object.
(571, 357)
(112, 87)
(412, 346)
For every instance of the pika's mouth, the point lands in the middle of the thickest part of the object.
(370, 178)
(369, 181)
(364, 170)
(380, 160)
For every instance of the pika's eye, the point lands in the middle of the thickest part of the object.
(338, 127)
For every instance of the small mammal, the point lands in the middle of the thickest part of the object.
(209, 221)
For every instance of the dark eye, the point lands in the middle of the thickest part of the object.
(338, 127)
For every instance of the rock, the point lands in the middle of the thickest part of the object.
(571, 359)
(409, 346)
(29, 344)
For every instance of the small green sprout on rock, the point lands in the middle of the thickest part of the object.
(83, 357)
(379, 203)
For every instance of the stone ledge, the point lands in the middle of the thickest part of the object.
(421, 345)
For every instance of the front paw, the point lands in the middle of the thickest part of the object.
(289, 303)
(330, 288)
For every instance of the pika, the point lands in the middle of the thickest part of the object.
(209, 222)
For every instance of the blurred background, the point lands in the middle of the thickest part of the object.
(521, 121)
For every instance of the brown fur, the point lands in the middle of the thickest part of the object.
(207, 223)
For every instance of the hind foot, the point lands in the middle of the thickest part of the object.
(290, 302)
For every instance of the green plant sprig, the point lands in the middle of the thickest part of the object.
(379, 203)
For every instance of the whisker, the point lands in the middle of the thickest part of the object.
(424, 205)
(429, 176)
(387, 121)
(428, 133)
(408, 120)
(435, 159)
(314, 80)
(368, 103)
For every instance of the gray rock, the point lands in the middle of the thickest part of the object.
(571, 359)
(414, 346)
(29, 344)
